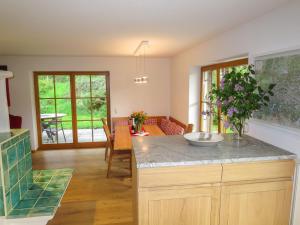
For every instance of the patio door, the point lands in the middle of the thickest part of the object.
(69, 108)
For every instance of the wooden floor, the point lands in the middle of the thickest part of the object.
(91, 198)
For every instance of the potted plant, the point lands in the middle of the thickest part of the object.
(138, 120)
(238, 96)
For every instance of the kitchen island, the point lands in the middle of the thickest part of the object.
(234, 183)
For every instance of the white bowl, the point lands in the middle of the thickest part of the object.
(203, 139)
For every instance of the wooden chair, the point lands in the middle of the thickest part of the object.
(189, 128)
(114, 152)
(104, 122)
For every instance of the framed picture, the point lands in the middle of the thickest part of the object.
(282, 69)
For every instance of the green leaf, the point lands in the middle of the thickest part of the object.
(271, 86)
(266, 98)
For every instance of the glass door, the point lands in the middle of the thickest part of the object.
(91, 106)
(209, 118)
(69, 108)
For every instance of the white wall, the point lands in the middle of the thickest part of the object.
(126, 96)
(277, 31)
(194, 97)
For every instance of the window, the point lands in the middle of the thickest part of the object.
(212, 75)
(69, 108)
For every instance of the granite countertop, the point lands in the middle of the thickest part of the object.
(163, 151)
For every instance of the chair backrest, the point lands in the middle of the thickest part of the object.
(189, 128)
(104, 121)
(108, 136)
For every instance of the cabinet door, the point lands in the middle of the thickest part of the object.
(180, 206)
(256, 204)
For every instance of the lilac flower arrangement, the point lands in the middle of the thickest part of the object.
(238, 96)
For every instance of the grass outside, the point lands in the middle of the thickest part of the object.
(89, 90)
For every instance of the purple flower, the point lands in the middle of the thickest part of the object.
(205, 113)
(238, 87)
(222, 84)
(231, 111)
(230, 99)
(226, 124)
(225, 102)
(219, 103)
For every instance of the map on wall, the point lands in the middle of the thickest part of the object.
(283, 70)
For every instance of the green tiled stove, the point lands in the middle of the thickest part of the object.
(27, 196)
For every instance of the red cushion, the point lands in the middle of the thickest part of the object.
(170, 127)
(163, 124)
(173, 129)
(178, 130)
(151, 121)
(15, 121)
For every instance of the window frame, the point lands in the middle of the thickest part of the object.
(218, 67)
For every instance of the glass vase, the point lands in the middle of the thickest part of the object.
(238, 134)
(138, 128)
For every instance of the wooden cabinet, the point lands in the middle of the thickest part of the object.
(256, 204)
(180, 206)
(256, 193)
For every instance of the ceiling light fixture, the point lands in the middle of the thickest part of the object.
(140, 56)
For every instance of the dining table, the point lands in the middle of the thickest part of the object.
(123, 136)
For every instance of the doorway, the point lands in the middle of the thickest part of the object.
(69, 108)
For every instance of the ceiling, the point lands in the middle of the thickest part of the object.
(116, 27)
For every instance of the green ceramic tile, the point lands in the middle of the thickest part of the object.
(53, 186)
(55, 192)
(42, 185)
(28, 162)
(47, 172)
(6, 181)
(43, 179)
(47, 202)
(29, 179)
(14, 140)
(6, 145)
(13, 176)
(20, 150)
(37, 186)
(62, 178)
(59, 181)
(22, 167)
(42, 211)
(25, 204)
(27, 145)
(15, 195)
(33, 194)
(12, 156)
(66, 171)
(8, 201)
(36, 173)
(4, 160)
(18, 213)
(23, 186)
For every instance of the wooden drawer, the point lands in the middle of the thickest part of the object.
(258, 170)
(180, 175)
